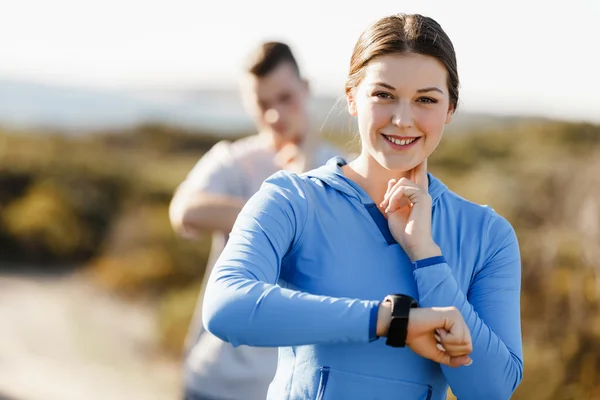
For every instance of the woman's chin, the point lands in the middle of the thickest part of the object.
(396, 165)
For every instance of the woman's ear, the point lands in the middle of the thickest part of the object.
(351, 103)
(449, 114)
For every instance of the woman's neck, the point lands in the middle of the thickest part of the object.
(371, 176)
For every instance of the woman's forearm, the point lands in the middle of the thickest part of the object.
(243, 311)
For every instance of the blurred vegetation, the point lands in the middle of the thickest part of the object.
(99, 203)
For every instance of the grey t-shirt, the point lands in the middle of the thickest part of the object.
(213, 367)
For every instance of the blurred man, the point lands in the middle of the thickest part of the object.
(277, 97)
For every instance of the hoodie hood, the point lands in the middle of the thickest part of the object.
(332, 175)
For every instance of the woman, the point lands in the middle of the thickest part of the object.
(311, 257)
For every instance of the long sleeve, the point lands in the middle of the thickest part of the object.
(491, 310)
(244, 306)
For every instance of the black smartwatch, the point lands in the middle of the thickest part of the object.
(401, 305)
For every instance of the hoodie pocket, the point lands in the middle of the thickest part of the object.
(336, 385)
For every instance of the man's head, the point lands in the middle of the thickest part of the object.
(275, 94)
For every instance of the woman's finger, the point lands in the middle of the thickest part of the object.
(388, 192)
(391, 184)
(456, 351)
(399, 199)
(419, 175)
(446, 359)
(411, 194)
(462, 361)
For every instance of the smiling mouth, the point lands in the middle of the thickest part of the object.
(400, 142)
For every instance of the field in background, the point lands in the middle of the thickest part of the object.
(99, 203)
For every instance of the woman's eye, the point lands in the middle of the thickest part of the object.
(383, 95)
(427, 100)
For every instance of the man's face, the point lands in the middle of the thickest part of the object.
(278, 103)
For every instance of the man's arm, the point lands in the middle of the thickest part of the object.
(205, 202)
(209, 198)
(192, 213)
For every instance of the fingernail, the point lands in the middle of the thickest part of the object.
(470, 362)
(437, 337)
(441, 348)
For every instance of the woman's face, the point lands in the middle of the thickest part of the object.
(402, 105)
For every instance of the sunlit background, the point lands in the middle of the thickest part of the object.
(106, 105)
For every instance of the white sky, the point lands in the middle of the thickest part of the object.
(526, 56)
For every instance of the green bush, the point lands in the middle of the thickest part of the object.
(141, 254)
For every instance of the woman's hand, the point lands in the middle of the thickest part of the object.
(441, 335)
(407, 204)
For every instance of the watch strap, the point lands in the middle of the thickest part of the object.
(401, 305)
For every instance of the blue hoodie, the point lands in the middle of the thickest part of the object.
(311, 257)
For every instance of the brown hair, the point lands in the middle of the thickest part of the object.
(402, 34)
(268, 56)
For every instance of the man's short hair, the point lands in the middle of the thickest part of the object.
(268, 56)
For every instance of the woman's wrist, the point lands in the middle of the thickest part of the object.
(425, 251)
(384, 317)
